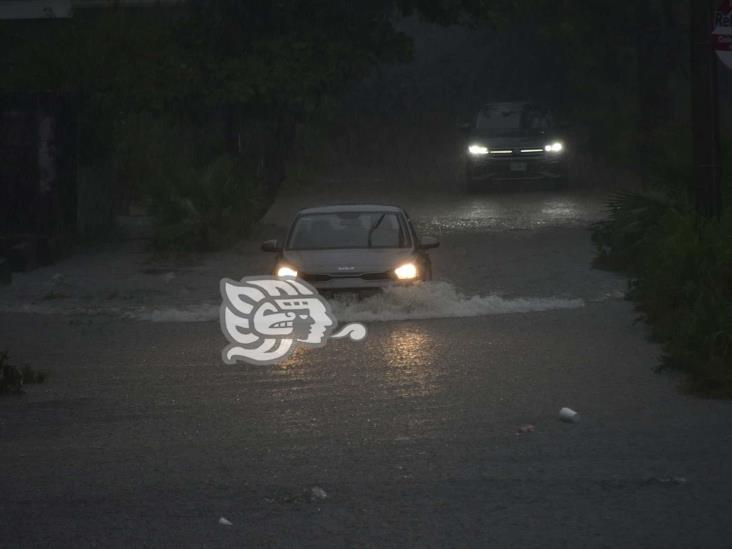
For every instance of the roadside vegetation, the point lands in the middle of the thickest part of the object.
(680, 266)
(192, 109)
(200, 196)
(218, 92)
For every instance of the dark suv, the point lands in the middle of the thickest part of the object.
(514, 142)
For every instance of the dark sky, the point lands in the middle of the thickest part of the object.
(455, 69)
(449, 72)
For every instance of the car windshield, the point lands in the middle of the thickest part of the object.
(512, 117)
(348, 230)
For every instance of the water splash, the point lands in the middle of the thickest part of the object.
(438, 300)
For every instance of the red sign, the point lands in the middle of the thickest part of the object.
(723, 18)
(723, 43)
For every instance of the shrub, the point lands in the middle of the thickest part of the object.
(681, 268)
(200, 198)
(209, 210)
(623, 239)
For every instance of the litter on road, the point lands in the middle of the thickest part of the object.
(317, 493)
(568, 415)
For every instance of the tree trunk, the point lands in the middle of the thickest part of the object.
(264, 141)
(653, 81)
(276, 154)
(707, 187)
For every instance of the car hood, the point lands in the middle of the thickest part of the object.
(344, 262)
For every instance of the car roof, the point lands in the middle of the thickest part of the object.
(343, 208)
(514, 105)
(502, 103)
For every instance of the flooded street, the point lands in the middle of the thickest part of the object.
(531, 247)
(320, 274)
(142, 436)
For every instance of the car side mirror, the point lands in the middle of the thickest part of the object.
(271, 246)
(427, 242)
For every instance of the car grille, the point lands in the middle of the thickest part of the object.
(528, 152)
(531, 152)
(377, 276)
(308, 277)
(314, 277)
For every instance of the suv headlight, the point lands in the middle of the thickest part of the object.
(555, 147)
(407, 271)
(478, 150)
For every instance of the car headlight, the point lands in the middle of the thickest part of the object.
(284, 270)
(478, 150)
(407, 271)
(555, 147)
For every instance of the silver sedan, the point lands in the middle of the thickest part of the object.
(346, 247)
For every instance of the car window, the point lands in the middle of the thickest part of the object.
(348, 230)
(499, 117)
(535, 118)
(512, 116)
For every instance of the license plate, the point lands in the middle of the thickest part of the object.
(518, 166)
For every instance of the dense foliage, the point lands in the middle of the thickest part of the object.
(245, 71)
(681, 268)
(201, 199)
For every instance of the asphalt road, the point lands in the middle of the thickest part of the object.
(143, 437)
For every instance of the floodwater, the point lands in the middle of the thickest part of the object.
(142, 436)
(500, 253)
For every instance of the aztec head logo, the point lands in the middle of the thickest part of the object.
(264, 318)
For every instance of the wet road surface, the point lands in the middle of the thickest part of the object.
(143, 437)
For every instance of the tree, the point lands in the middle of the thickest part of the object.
(252, 68)
(706, 182)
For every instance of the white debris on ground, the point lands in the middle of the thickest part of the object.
(224, 522)
(568, 415)
(317, 493)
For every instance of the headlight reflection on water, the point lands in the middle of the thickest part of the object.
(559, 209)
(409, 356)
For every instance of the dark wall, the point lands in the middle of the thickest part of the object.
(37, 165)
